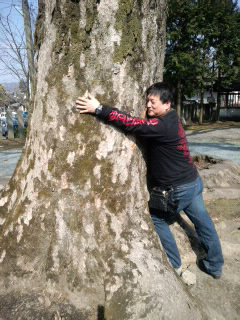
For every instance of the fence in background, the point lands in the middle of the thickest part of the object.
(190, 112)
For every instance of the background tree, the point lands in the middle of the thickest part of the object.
(181, 56)
(76, 240)
(204, 49)
(29, 44)
(13, 53)
(13, 48)
(226, 43)
(5, 97)
(202, 46)
(22, 86)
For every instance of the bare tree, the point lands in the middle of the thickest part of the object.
(76, 239)
(13, 49)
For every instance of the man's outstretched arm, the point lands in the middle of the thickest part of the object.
(142, 127)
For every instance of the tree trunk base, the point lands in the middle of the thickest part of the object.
(29, 305)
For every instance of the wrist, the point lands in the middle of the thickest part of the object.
(98, 110)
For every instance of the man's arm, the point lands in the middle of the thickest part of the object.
(142, 127)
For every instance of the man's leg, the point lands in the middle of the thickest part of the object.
(207, 235)
(190, 200)
(189, 197)
(166, 237)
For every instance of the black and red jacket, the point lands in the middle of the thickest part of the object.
(169, 159)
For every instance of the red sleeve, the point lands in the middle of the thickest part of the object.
(142, 127)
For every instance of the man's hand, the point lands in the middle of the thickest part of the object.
(87, 104)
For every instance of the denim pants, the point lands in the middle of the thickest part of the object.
(189, 197)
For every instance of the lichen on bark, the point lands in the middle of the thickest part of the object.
(128, 23)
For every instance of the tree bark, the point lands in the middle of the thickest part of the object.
(29, 44)
(179, 93)
(76, 238)
(218, 106)
(201, 104)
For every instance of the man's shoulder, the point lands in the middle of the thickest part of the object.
(170, 117)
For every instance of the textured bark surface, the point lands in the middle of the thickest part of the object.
(76, 238)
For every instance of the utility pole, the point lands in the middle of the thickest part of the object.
(29, 43)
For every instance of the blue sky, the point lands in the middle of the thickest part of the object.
(6, 7)
(9, 8)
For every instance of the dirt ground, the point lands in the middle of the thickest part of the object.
(213, 125)
(6, 144)
(222, 296)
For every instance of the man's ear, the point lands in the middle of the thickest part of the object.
(168, 104)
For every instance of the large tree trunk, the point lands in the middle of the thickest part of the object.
(76, 238)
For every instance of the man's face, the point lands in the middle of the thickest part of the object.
(155, 107)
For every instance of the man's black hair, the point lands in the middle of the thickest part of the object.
(161, 90)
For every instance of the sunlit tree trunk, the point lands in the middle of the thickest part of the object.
(218, 106)
(29, 44)
(76, 238)
(178, 101)
(201, 104)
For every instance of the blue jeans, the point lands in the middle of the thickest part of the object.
(189, 197)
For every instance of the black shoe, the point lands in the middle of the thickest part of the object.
(201, 266)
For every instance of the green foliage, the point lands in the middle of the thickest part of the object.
(22, 86)
(203, 43)
(180, 57)
(2, 91)
(226, 41)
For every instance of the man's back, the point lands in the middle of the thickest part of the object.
(169, 159)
